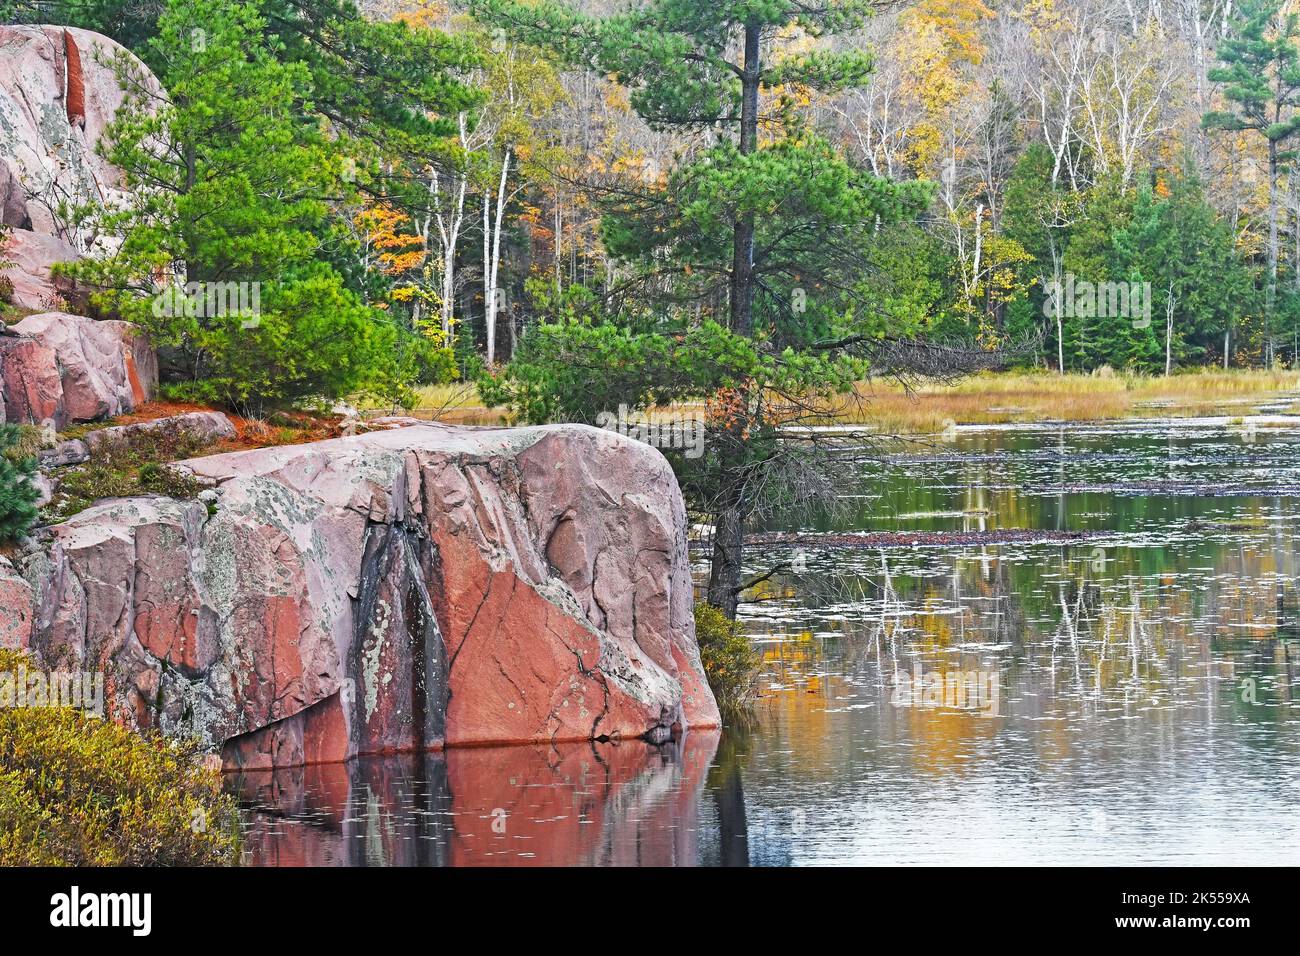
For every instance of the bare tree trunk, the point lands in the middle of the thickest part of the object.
(1295, 326)
(1270, 299)
(489, 312)
(448, 290)
(492, 257)
(1060, 307)
(1169, 329)
(742, 259)
(729, 520)
(492, 294)
(559, 227)
(449, 229)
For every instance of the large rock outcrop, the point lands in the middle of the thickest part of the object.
(30, 258)
(395, 591)
(59, 92)
(62, 368)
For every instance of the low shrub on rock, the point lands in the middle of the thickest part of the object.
(731, 662)
(122, 469)
(80, 791)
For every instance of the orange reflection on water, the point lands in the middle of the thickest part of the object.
(626, 803)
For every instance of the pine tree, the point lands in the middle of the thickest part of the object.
(230, 182)
(742, 264)
(1261, 77)
(17, 493)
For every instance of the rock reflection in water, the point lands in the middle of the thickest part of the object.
(628, 804)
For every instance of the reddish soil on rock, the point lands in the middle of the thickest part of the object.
(290, 428)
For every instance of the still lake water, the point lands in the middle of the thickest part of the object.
(1129, 696)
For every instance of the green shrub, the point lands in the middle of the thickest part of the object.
(731, 662)
(17, 493)
(403, 359)
(160, 480)
(30, 440)
(80, 791)
(125, 468)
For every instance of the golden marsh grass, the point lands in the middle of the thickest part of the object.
(991, 398)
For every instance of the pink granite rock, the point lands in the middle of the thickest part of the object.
(59, 91)
(31, 256)
(197, 427)
(68, 368)
(16, 608)
(31, 386)
(13, 201)
(422, 587)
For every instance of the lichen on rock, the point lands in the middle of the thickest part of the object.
(410, 589)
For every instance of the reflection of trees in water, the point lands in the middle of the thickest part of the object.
(1133, 658)
(1122, 669)
(752, 828)
(726, 787)
(1087, 623)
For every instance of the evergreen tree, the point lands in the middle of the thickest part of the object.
(1261, 80)
(17, 493)
(738, 292)
(1096, 332)
(1200, 287)
(232, 180)
(1040, 214)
